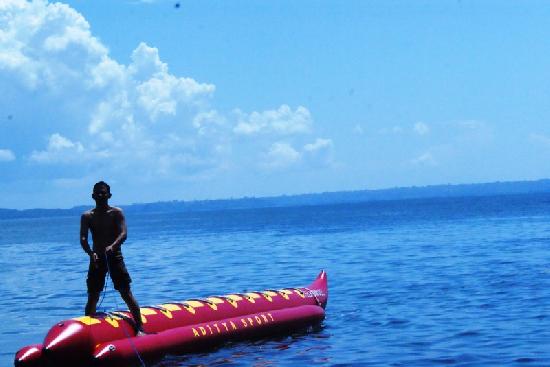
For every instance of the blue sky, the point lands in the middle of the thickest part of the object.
(218, 99)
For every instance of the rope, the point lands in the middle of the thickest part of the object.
(314, 296)
(125, 332)
(104, 292)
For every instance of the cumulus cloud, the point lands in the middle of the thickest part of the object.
(49, 47)
(46, 45)
(6, 155)
(421, 128)
(209, 122)
(158, 91)
(146, 120)
(282, 121)
(60, 149)
(146, 63)
(281, 155)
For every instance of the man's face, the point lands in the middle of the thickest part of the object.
(101, 194)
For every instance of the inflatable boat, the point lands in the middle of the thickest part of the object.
(109, 339)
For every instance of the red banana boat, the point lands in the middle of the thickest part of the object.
(109, 339)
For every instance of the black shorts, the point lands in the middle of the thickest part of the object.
(117, 271)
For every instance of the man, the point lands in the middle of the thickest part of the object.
(108, 228)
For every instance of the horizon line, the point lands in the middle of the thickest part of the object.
(413, 187)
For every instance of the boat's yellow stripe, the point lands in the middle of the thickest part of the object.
(215, 300)
(148, 311)
(194, 304)
(234, 297)
(87, 320)
(171, 307)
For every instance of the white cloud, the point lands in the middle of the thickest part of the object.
(319, 153)
(281, 121)
(421, 128)
(107, 73)
(281, 155)
(318, 145)
(158, 91)
(149, 122)
(6, 155)
(146, 63)
(160, 95)
(208, 122)
(46, 44)
(58, 142)
(60, 149)
(425, 159)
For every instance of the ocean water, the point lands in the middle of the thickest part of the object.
(432, 282)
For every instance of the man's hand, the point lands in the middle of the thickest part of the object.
(109, 249)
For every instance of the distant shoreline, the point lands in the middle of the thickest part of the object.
(324, 198)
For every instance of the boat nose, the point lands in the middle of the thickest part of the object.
(30, 356)
(67, 341)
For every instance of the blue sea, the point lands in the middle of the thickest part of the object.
(425, 282)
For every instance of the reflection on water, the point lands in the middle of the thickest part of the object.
(274, 351)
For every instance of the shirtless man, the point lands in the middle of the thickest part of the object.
(108, 228)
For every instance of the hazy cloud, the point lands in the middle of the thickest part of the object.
(6, 155)
(358, 129)
(540, 139)
(392, 130)
(425, 159)
(320, 152)
(471, 124)
(318, 145)
(421, 128)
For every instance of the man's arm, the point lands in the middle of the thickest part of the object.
(121, 226)
(84, 227)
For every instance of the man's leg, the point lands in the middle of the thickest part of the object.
(133, 306)
(122, 280)
(95, 283)
(90, 309)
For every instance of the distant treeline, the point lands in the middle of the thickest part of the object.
(414, 192)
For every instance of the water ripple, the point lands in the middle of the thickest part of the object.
(459, 282)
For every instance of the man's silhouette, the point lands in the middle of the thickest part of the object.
(108, 228)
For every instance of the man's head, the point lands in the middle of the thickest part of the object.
(102, 191)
